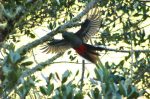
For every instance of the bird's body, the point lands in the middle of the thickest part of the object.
(73, 39)
(84, 50)
(78, 40)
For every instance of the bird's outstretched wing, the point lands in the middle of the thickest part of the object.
(91, 25)
(56, 46)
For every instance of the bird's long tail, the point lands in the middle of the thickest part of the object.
(89, 52)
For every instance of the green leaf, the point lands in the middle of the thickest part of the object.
(32, 35)
(65, 76)
(79, 96)
(57, 76)
(50, 89)
(22, 59)
(50, 76)
(69, 52)
(27, 63)
(58, 2)
(14, 57)
(69, 90)
(116, 96)
(70, 93)
(99, 75)
(127, 57)
(96, 93)
(72, 57)
(43, 90)
(7, 69)
(121, 63)
(123, 88)
(50, 26)
(88, 74)
(11, 47)
(1, 90)
(77, 73)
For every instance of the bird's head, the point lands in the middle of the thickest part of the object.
(68, 35)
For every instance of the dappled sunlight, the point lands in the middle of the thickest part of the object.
(74, 49)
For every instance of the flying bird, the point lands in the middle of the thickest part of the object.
(78, 40)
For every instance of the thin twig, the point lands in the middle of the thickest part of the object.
(134, 29)
(132, 56)
(82, 76)
(40, 66)
(1, 53)
(34, 57)
(144, 0)
(124, 51)
(60, 62)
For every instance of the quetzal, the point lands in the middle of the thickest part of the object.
(78, 40)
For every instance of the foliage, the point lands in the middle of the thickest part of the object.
(102, 87)
(124, 25)
(111, 89)
(67, 90)
(12, 67)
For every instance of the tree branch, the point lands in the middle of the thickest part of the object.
(29, 46)
(124, 51)
(40, 66)
(33, 44)
(28, 72)
(144, 0)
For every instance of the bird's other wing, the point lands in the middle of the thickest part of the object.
(56, 46)
(91, 25)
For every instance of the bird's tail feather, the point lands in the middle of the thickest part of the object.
(93, 48)
(91, 57)
(91, 53)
